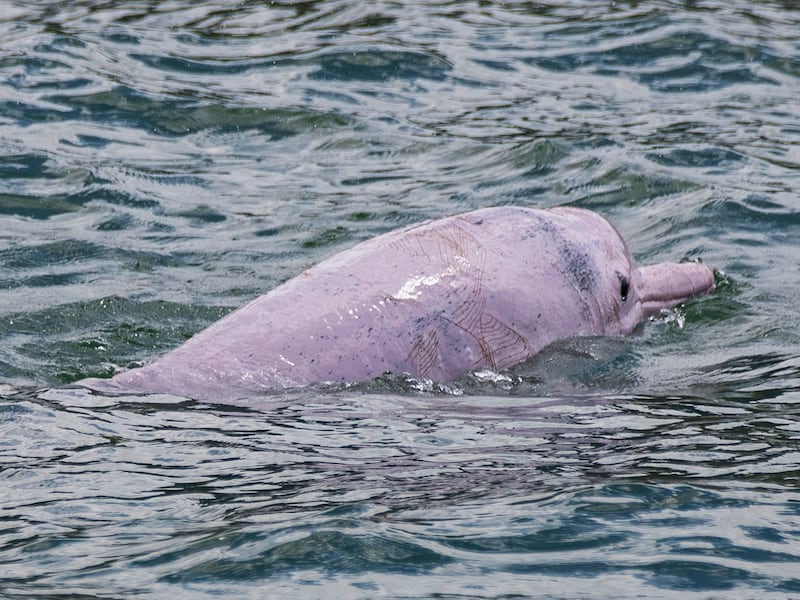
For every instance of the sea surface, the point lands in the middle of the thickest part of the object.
(163, 162)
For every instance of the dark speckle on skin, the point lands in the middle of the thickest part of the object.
(577, 264)
(581, 269)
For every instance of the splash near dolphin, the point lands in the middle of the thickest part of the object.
(484, 289)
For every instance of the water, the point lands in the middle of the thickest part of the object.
(163, 162)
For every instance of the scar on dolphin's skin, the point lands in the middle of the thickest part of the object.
(498, 342)
(425, 352)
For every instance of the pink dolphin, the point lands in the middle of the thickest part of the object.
(484, 289)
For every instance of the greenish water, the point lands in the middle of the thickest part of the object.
(164, 162)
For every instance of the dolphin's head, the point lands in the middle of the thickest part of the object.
(624, 294)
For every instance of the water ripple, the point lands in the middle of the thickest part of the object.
(545, 490)
(163, 162)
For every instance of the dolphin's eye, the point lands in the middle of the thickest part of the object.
(624, 286)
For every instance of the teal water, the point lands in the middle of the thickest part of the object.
(163, 162)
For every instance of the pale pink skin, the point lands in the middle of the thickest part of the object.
(485, 289)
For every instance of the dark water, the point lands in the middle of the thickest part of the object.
(164, 162)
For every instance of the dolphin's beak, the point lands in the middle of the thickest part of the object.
(666, 284)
